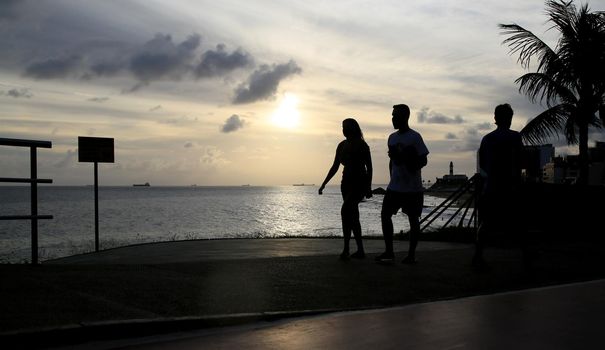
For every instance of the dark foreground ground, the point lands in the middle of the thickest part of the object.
(82, 300)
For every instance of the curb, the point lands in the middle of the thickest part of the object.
(74, 334)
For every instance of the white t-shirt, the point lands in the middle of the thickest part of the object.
(402, 178)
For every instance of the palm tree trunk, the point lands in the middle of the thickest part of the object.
(583, 175)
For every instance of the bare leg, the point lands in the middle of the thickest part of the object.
(346, 228)
(414, 232)
(478, 261)
(387, 230)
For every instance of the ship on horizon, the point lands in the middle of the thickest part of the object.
(146, 184)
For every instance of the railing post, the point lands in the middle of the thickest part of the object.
(34, 202)
(96, 207)
(33, 181)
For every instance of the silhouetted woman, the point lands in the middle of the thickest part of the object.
(354, 154)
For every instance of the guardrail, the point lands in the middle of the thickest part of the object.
(470, 189)
(33, 145)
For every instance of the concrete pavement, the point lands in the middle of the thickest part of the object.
(561, 317)
(163, 288)
(233, 249)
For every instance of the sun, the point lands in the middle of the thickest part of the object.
(287, 114)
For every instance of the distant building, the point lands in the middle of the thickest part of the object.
(566, 169)
(534, 160)
(449, 182)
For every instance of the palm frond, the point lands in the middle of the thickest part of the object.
(527, 45)
(540, 86)
(547, 124)
(570, 131)
(562, 14)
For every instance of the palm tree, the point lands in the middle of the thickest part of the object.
(569, 79)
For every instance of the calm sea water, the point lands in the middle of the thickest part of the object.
(129, 215)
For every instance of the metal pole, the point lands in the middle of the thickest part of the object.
(96, 207)
(34, 203)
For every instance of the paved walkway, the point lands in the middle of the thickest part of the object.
(163, 288)
(561, 317)
(231, 249)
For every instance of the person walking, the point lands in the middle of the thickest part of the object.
(500, 167)
(407, 156)
(354, 154)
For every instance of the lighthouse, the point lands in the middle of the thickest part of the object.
(451, 168)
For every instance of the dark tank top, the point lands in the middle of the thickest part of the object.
(353, 155)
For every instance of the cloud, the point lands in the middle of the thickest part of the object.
(188, 145)
(431, 117)
(211, 156)
(8, 9)
(54, 68)
(471, 138)
(218, 62)
(485, 126)
(17, 93)
(68, 160)
(451, 136)
(264, 81)
(98, 99)
(233, 123)
(184, 120)
(156, 108)
(161, 58)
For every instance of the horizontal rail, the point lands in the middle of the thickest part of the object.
(25, 143)
(26, 217)
(22, 180)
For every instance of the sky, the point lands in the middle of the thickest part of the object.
(253, 92)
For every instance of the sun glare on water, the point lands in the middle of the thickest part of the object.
(287, 115)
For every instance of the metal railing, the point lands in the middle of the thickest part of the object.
(469, 188)
(33, 180)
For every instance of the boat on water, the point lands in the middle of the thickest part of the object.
(303, 184)
(146, 184)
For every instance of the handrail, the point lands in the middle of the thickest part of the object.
(21, 180)
(467, 187)
(33, 180)
(25, 143)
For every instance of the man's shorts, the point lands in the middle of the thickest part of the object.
(410, 203)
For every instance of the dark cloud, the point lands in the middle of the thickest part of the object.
(156, 108)
(233, 123)
(431, 117)
(471, 137)
(98, 99)
(485, 126)
(8, 9)
(219, 62)
(451, 136)
(264, 81)
(107, 69)
(18, 93)
(54, 68)
(160, 58)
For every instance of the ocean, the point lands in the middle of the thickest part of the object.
(131, 215)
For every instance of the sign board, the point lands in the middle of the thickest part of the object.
(95, 149)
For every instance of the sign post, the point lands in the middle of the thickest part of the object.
(96, 150)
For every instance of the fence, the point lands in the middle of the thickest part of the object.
(33, 181)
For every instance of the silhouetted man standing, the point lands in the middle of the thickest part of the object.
(407, 153)
(500, 166)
